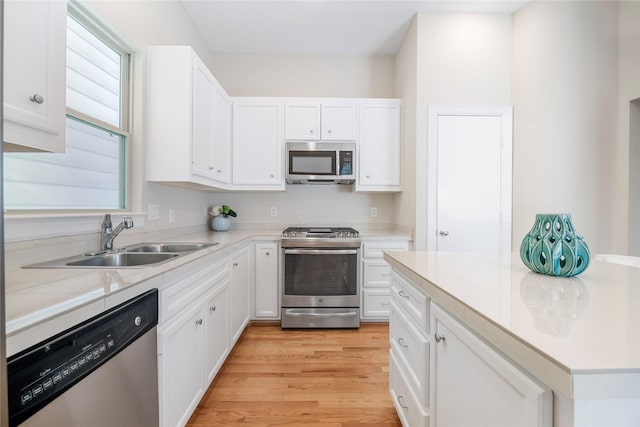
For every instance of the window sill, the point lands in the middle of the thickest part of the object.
(21, 226)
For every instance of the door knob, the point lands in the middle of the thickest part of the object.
(444, 233)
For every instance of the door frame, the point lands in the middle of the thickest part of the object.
(505, 112)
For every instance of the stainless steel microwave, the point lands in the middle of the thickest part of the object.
(321, 162)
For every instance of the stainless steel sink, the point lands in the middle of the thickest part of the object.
(168, 247)
(121, 259)
(136, 256)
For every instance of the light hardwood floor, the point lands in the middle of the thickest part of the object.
(314, 377)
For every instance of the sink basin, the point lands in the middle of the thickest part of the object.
(140, 255)
(121, 259)
(168, 247)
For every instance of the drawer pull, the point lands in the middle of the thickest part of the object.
(400, 400)
(438, 337)
(38, 99)
(212, 308)
(401, 342)
(199, 322)
(403, 295)
(384, 303)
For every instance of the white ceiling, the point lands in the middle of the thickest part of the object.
(329, 27)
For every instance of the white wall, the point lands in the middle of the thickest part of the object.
(566, 109)
(406, 88)
(460, 59)
(304, 75)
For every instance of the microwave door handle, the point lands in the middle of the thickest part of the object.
(320, 251)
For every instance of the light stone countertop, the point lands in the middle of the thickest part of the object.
(554, 327)
(36, 295)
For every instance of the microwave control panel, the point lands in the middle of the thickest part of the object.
(346, 162)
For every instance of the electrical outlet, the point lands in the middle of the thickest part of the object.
(374, 212)
(274, 211)
(172, 216)
(154, 211)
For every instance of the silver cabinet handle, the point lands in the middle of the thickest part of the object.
(212, 308)
(384, 303)
(235, 264)
(210, 168)
(329, 131)
(401, 342)
(400, 400)
(311, 131)
(266, 253)
(38, 99)
(438, 337)
(403, 295)
(444, 233)
(199, 322)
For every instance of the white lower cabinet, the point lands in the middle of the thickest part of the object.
(472, 384)
(266, 295)
(181, 349)
(193, 335)
(376, 277)
(216, 330)
(240, 276)
(410, 411)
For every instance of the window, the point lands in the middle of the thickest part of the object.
(91, 172)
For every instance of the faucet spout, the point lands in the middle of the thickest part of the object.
(108, 234)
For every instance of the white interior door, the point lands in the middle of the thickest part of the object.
(471, 149)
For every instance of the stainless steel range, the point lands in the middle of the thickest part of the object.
(321, 277)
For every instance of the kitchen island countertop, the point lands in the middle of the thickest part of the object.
(562, 330)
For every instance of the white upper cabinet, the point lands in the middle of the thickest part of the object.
(188, 122)
(328, 120)
(258, 148)
(379, 146)
(34, 75)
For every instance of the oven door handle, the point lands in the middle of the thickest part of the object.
(308, 314)
(320, 251)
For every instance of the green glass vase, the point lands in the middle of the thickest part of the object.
(553, 247)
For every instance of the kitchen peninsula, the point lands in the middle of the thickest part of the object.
(569, 347)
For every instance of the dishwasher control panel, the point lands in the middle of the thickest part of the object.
(39, 374)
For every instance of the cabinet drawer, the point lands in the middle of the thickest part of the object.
(414, 304)
(376, 274)
(411, 413)
(184, 291)
(375, 303)
(412, 349)
(374, 249)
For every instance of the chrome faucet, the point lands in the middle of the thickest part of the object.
(107, 234)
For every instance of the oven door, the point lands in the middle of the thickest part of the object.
(321, 277)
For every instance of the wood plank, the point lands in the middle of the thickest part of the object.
(314, 377)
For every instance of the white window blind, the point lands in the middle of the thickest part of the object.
(90, 174)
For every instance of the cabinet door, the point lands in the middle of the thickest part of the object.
(180, 362)
(379, 148)
(339, 122)
(216, 330)
(239, 292)
(202, 130)
(266, 287)
(257, 144)
(221, 135)
(472, 384)
(34, 74)
(302, 121)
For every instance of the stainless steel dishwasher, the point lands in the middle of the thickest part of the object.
(102, 372)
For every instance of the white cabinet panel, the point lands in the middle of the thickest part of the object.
(411, 413)
(34, 75)
(376, 303)
(266, 283)
(472, 384)
(188, 120)
(216, 330)
(258, 144)
(322, 119)
(239, 292)
(379, 147)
